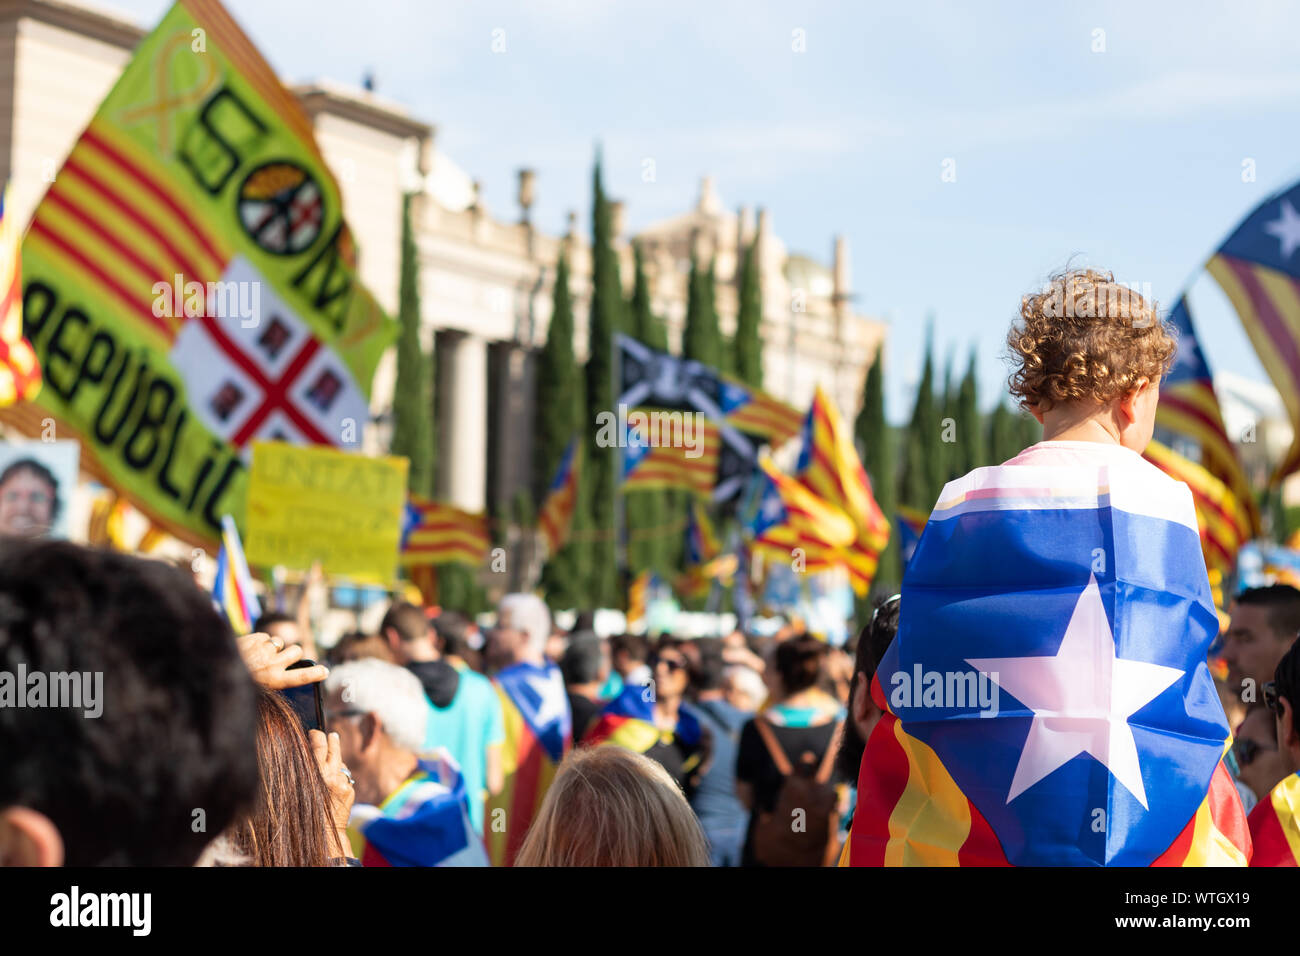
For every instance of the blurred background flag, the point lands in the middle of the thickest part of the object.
(1275, 826)
(909, 522)
(434, 532)
(991, 749)
(20, 372)
(1190, 406)
(1223, 521)
(232, 589)
(670, 465)
(1259, 269)
(755, 412)
(556, 516)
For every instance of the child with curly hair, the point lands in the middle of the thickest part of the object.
(1046, 700)
(1089, 354)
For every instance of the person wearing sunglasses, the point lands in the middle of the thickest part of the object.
(651, 720)
(1275, 821)
(1259, 764)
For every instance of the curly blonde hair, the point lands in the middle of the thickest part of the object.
(1085, 337)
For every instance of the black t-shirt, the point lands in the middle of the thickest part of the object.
(584, 712)
(754, 765)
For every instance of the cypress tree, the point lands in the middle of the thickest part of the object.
(748, 348)
(602, 463)
(646, 510)
(1003, 441)
(701, 340)
(413, 389)
(558, 412)
(923, 478)
(1028, 431)
(951, 432)
(876, 448)
(974, 448)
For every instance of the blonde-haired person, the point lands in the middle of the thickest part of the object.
(612, 807)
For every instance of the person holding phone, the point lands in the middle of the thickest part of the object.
(301, 813)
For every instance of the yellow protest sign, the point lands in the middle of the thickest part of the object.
(309, 503)
(190, 285)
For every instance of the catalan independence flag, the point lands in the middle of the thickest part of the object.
(195, 237)
(703, 557)
(671, 464)
(829, 467)
(1259, 270)
(539, 732)
(1046, 700)
(628, 721)
(1223, 520)
(910, 522)
(232, 589)
(755, 412)
(1275, 826)
(1190, 406)
(20, 372)
(556, 516)
(424, 822)
(437, 533)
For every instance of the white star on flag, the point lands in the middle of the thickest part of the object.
(1082, 699)
(1287, 229)
(550, 690)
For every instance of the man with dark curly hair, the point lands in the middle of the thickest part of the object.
(165, 758)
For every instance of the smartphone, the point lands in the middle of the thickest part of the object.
(306, 700)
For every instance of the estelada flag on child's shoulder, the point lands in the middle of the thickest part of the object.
(539, 732)
(190, 285)
(1047, 700)
(1275, 825)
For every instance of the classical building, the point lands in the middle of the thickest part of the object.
(485, 280)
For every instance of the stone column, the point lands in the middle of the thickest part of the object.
(462, 430)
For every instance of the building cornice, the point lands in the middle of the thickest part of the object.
(76, 18)
(359, 107)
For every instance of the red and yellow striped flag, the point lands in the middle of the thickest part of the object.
(556, 516)
(1224, 523)
(438, 533)
(20, 372)
(1259, 269)
(829, 466)
(1190, 406)
(1275, 826)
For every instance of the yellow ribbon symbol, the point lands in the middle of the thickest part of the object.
(168, 100)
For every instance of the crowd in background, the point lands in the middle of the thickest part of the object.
(199, 755)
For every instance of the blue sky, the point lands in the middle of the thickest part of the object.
(1129, 159)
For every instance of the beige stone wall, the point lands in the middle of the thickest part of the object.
(53, 81)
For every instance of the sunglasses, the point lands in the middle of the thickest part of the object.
(1270, 697)
(1246, 751)
(672, 663)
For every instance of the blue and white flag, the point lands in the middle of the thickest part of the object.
(1051, 657)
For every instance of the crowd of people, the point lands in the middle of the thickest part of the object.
(437, 742)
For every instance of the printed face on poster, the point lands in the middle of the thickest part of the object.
(37, 481)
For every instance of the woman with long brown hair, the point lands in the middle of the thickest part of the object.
(298, 819)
